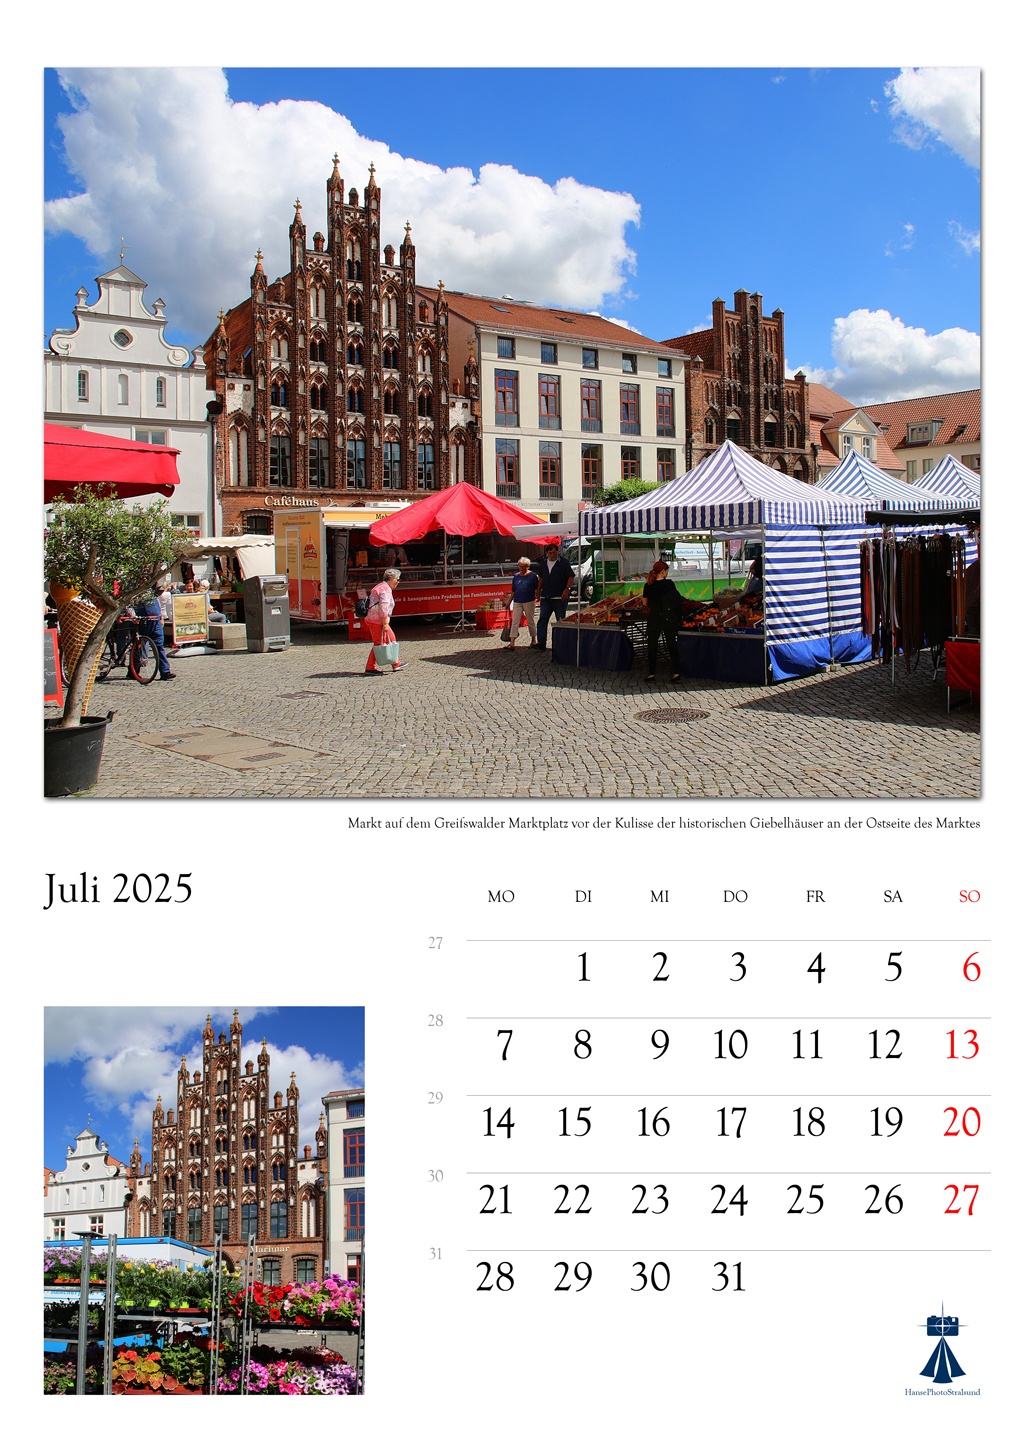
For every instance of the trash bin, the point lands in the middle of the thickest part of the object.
(267, 616)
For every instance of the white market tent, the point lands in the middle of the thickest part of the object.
(950, 477)
(857, 477)
(811, 587)
(254, 553)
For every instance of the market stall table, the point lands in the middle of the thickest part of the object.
(600, 647)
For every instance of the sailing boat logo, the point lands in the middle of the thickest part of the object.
(942, 1367)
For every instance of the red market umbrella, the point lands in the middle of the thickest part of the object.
(460, 509)
(82, 457)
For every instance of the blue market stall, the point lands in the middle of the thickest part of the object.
(811, 550)
(950, 477)
(857, 478)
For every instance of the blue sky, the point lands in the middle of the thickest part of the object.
(850, 198)
(110, 1063)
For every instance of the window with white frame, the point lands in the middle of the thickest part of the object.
(161, 391)
(83, 384)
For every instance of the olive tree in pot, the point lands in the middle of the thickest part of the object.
(111, 555)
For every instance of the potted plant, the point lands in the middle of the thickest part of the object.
(111, 555)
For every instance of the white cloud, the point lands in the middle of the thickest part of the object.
(938, 102)
(130, 1056)
(878, 358)
(196, 182)
(968, 240)
(905, 241)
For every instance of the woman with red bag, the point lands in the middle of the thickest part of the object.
(378, 622)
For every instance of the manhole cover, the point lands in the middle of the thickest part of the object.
(672, 716)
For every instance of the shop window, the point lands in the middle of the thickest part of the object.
(279, 1220)
(270, 1271)
(305, 1271)
(259, 524)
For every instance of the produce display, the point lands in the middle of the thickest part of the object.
(728, 612)
(615, 610)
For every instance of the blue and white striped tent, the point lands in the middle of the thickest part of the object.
(950, 477)
(811, 550)
(857, 477)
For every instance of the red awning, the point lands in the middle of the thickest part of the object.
(460, 509)
(82, 457)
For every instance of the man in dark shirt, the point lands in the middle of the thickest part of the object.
(556, 577)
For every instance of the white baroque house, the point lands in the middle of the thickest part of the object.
(116, 374)
(89, 1193)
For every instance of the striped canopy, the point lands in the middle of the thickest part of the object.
(857, 477)
(950, 477)
(726, 490)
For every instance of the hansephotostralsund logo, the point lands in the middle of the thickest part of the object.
(942, 1366)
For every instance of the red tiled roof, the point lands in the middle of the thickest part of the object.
(823, 401)
(963, 407)
(699, 345)
(493, 313)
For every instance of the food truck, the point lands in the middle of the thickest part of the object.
(331, 563)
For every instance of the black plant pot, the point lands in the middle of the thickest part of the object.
(71, 757)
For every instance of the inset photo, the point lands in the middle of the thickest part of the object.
(203, 1200)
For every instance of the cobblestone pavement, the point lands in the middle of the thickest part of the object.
(471, 720)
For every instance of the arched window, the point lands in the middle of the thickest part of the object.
(392, 402)
(353, 261)
(318, 302)
(391, 357)
(279, 345)
(318, 349)
(425, 405)
(318, 397)
(278, 390)
(389, 310)
(355, 311)
(277, 1139)
(354, 400)
(238, 475)
(423, 362)
(354, 354)
(83, 384)
(161, 390)
(709, 430)
(122, 389)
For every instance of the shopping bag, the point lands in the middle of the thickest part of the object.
(386, 654)
(506, 634)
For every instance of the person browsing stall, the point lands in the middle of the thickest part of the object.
(523, 600)
(378, 620)
(556, 577)
(664, 611)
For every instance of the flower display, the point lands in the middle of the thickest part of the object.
(331, 1303)
(306, 1371)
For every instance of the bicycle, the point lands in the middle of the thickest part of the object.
(126, 645)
